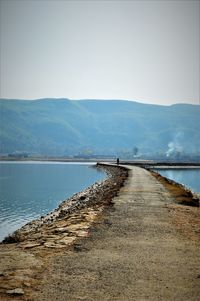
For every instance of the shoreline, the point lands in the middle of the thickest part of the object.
(139, 162)
(166, 167)
(95, 197)
(28, 252)
(182, 194)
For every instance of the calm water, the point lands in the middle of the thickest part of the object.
(31, 189)
(188, 177)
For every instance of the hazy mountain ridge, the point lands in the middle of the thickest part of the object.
(66, 127)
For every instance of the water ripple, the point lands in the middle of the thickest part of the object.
(33, 189)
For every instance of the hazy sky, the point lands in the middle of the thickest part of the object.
(137, 50)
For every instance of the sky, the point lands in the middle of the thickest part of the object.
(147, 51)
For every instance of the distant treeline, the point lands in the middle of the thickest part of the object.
(99, 129)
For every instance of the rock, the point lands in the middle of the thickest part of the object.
(27, 284)
(67, 240)
(2, 274)
(50, 245)
(60, 230)
(31, 245)
(82, 233)
(16, 291)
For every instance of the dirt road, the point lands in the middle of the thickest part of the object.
(134, 252)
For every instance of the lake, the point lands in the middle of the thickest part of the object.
(188, 177)
(31, 189)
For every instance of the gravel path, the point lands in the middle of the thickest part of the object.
(134, 252)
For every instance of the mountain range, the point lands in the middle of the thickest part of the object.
(63, 127)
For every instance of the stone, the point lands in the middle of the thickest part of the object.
(16, 291)
(59, 244)
(82, 233)
(67, 240)
(60, 230)
(2, 274)
(30, 245)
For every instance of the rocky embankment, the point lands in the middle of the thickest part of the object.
(26, 254)
(181, 193)
(73, 216)
(136, 245)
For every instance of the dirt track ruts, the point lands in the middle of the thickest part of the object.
(134, 252)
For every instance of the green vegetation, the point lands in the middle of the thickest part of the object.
(61, 127)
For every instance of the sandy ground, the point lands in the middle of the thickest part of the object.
(142, 247)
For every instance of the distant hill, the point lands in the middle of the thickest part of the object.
(60, 127)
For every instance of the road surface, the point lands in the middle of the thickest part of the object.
(134, 252)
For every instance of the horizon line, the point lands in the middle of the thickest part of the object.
(99, 99)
